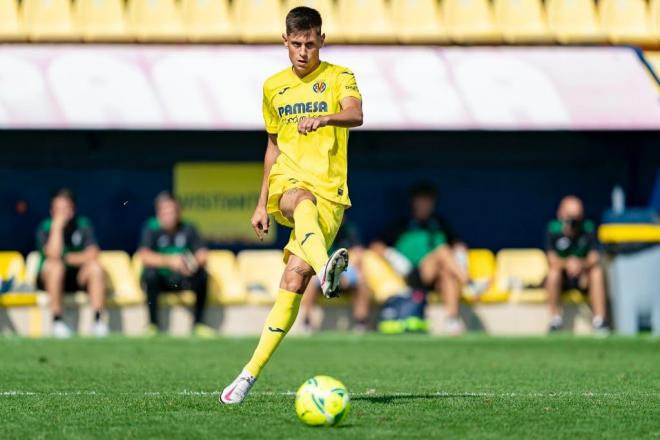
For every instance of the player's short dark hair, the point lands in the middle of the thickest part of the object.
(426, 190)
(303, 19)
(64, 193)
(164, 196)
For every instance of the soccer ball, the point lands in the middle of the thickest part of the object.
(322, 400)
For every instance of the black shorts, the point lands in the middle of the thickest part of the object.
(414, 280)
(71, 284)
(572, 283)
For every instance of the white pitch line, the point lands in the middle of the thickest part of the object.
(191, 393)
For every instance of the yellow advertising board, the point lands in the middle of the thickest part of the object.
(219, 198)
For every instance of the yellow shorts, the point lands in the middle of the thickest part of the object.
(330, 213)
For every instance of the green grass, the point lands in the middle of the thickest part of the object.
(402, 387)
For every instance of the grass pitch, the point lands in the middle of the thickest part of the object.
(402, 387)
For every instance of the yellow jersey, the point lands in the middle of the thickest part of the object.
(319, 159)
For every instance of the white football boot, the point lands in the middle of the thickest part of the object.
(331, 273)
(61, 330)
(238, 390)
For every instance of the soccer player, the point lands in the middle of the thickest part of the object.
(422, 249)
(308, 109)
(572, 250)
(70, 262)
(174, 256)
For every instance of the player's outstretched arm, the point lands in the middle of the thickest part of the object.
(349, 117)
(260, 221)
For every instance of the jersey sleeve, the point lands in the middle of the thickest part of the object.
(89, 239)
(147, 238)
(195, 243)
(592, 238)
(550, 239)
(271, 120)
(42, 238)
(347, 85)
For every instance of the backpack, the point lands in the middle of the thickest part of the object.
(404, 313)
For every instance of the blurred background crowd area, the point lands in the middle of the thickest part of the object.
(501, 133)
(245, 272)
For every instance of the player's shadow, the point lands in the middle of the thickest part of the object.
(401, 398)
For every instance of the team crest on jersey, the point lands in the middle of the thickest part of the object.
(319, 87)
(77, 238)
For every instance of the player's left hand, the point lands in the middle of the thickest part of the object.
(308, 125)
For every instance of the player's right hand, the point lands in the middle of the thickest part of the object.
(178, 265)
(260, 222)
(59, 221)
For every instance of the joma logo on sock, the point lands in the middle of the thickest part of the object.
(276, 330)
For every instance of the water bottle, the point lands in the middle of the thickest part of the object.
(618, 200)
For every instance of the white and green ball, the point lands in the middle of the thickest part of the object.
(322, 401)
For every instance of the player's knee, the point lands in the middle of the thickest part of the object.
(596, 270)
(305, 195)
(296, 286)
(294, 283)
(596, 273)
(297, 195)
(94, 269)
(444, 269)
(554, 274)
(53, 267)
(289, 204)
(440, 257)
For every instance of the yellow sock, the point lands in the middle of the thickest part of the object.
(309, 235)
(279, 322)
